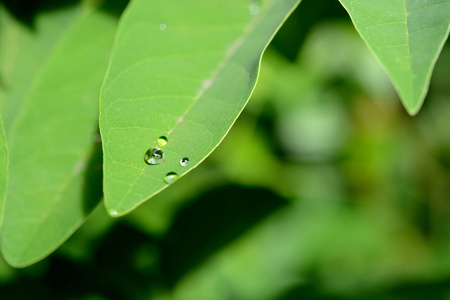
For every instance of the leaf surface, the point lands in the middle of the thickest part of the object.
(51, 186)
(3, 169)
(24, 52)
(406, 36)
(183, 70)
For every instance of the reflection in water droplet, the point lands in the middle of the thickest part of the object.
(162, 141)
(154, 156)
(184, 162)
(162, 26)
(254, 9)
(171, 177)
(113, 213)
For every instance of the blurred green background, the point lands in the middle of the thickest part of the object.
(324, 189)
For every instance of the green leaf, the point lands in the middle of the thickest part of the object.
(24, 52)
(406, 36)
(3, 169)
(183, 70)
(52, 151)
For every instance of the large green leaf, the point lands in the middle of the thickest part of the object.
(406, 36)
(183, 70)
(3, 169)
(51, 186)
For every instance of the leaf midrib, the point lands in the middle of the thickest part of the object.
(228, 56)
(408, 42)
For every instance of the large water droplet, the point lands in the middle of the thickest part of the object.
(162, 26)
(254, 9)
(184, 162)
(171, 177)
(154, 156)
(162, 141)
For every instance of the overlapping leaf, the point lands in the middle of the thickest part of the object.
(406, 36)
(52, 120)
(23, 53)
(183, 70)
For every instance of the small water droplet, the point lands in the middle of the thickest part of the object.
(184, 162)
(162, 141)
(254, 9)
(162, 26)
(171, 177)
(154, 156)
(113, 213)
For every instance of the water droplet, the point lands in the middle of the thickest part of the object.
(154, 156)
(113, 213)
(162, 26)
(184, 162)
(162, 141)
(171, 177)
(254, 9)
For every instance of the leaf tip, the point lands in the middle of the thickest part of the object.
(113, 213)
(413, 110)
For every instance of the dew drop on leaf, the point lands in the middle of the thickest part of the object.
(162, 141)
(154, 156)
(171, 177)
(254, 9)
(184, 162)
(162, 26)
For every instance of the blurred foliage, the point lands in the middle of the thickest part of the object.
(324, 189)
